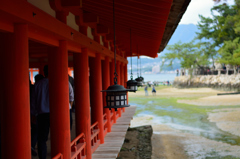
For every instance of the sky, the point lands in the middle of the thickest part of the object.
(197, 7)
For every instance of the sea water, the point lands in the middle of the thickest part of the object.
(161, 77)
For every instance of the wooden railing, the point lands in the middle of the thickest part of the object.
(78, 150)
(95, 136)
(58, 156)
(105, 121)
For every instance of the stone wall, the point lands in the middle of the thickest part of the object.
(221, 82)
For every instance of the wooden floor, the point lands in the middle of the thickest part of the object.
(113, 141)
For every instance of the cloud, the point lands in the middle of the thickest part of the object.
(197, 7)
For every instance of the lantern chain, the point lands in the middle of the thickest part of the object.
(131, 52)
(114, 41)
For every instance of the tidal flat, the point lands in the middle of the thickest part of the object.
(202, 131)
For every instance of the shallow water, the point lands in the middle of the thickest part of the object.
(185, 121)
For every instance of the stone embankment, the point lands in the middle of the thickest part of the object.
(137, 144)
(220, 82)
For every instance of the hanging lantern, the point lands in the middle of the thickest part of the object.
(139, 79)
(139, 82)
(116, 94)
(116, 97)
(131, 84)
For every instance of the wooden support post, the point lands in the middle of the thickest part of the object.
(31, 75)
(106, 84)
(126, 78)
(119, 82)
(59, 101)
(112, 69)
(96, 94)
(82, 98)
(122, 78)
(15, 130)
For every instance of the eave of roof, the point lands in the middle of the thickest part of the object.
(177, 10)
(152, 22)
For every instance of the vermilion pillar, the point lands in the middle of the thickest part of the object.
(59, 101)
(112, 69)
(15, 126)
(82, 99)
(106, 84)
(96, 94)
(122, 78)
(31, 76)
(126, 78)
(119, 82)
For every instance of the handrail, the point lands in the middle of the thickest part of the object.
(104, 118)
(94, 133)
(95, 124)
(58, 156)
(78, 146)
(78, 139)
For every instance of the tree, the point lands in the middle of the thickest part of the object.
(189, 54)
(220, 27)
(230, 53)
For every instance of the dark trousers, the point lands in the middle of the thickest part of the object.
(33, 135)
(43, 122)
(71, 120)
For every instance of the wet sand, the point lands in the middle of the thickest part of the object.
(169, 143)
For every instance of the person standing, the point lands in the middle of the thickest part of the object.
(146, 90)
(153, 91)
(72, 108)
(43, 112)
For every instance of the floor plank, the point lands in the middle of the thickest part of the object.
(113, 140)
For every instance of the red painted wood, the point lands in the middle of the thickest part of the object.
(106, 84)
(112, 69)
(122, 79)
(96, 95)
(119, 82)
(82, 98)
(59, 101)
(126, 79)
(16, 108)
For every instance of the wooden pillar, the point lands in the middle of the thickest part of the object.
(119, 82)
(31, 75)
(82, 98)
(106, 84)
(126, 79)
(123, 79)
(96, 94)
(2, 52)
(15, 128)
(59, 101)
(112, 69)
